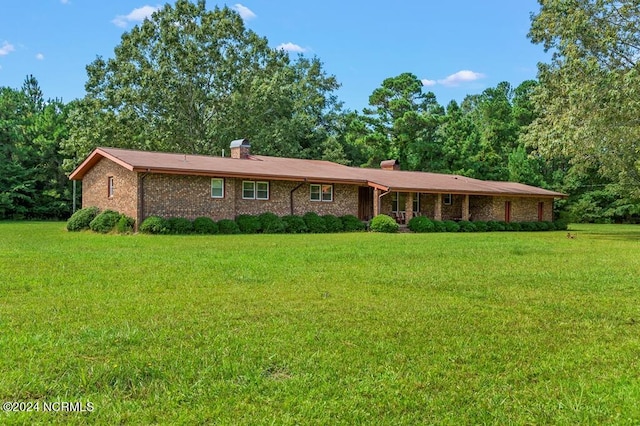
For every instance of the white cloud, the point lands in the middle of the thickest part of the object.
(40, 57)
(64, 1)
(456, 79)
(6, 48)
(244, 11)
(136, 15)
(291, 47)
(460, 77)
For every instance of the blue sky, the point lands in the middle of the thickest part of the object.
(455, 47)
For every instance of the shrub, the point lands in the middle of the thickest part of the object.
(125, 224)
(314, 223)
(294, 224)
(513, 226)
(154, 225)
(332, 223)
(228, 226)
(271, 223)
(421, 224)
(550, 226)
(528, 226)
(561, 225)
(495, 225)
(481, 226)
(81, 219)
(451, 226)
(542, 226)
(439, 226)
(466, 226)
(384, 223)
(205, 225)
(248, 224)
(352, 223)
(105, 221)
(179, 225)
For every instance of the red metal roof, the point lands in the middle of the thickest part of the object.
(276, 168)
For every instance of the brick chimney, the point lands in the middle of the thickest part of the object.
(390, 165)
(240, 148)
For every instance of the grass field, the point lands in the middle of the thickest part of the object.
(483, 328)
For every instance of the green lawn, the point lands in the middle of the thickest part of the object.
(483, 328)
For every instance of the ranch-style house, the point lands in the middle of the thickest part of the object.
(141, 184)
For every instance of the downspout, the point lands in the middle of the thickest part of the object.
(291, 195)
(141, 201)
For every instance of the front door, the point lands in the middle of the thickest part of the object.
(365, 203)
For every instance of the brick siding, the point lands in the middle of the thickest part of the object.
(125, 184)
(190, 197)
(185, 196)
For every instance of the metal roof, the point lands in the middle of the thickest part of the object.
(277, 168)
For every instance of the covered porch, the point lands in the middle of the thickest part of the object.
(403, 206)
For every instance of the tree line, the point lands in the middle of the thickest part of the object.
(191, 80)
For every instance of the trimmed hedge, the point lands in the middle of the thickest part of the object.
(248, 224)
(105, 221)
(205, 225)
(315, 224)
(421, 224)
(125, 224)
(154, 225)
(333, 223)
(81, 219)
(180, 226)
(466, 226)
(271, 223)
(351, 223)
(384, 223)
(228, 226)
(450, 226)
(294, 224)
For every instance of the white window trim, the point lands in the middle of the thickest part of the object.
(256, 193)
(255, 190)
(444, 199)
(217, 196)
(110, 186)
(252, 197)
(320, 199)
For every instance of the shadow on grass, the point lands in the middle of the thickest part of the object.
(607, 232)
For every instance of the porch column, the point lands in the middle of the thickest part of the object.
(437, 211)
(408, 207)
(465, 207)
(376, 202)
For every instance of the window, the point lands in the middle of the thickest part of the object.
(448, 199)
(248, 190)
(217, 188)
(110, 186)
(399, 202)
(321, 192)
(262, 190)
(255, 190)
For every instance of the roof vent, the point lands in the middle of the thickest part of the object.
(390, 165)
(240, 148)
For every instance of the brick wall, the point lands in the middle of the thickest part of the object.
(523, 209)
(190, 197)
(95, 188)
